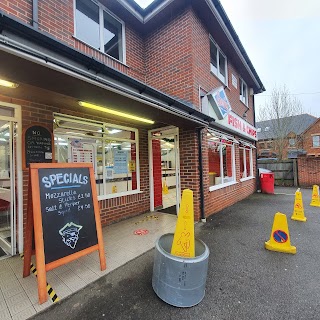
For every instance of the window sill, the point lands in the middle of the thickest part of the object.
(222, 185)
(105, 54)
(246, 179)
(117, 195)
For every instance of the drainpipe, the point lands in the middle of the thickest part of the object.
(257, 170)
(35, 14)
(202, 213)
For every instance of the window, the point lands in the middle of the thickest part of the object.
(113, 151)
(267, 129)
(243, 92)
(246, 162)
(316, 141)
(221, 159)
(218, 63)
(99, 29)
(292, 142)
(259, 130)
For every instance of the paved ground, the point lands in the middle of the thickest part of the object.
(245, 281)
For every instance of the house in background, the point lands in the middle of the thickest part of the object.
(309, 163)
(311, 140)
(283, 138)
(162, 94)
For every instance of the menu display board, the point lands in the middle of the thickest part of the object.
(37, 145)
(63, 218)
(67, 211)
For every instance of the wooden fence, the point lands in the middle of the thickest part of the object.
(285, 171)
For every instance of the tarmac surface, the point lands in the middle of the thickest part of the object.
(245, 281)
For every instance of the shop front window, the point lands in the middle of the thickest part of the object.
(112, 150)
(221, 160)
(246, 163)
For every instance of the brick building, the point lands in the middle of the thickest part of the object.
(309, 163)
(284, 137)
(163, 95)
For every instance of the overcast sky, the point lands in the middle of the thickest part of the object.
(282, 39)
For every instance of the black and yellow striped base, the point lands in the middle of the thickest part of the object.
(52, 294)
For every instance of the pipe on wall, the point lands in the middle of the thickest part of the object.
(35, 14)
(202, 213)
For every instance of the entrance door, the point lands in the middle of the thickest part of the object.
(8, 178)
(164, 164)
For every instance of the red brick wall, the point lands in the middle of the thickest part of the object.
(169, 58)
(21, 9)
(56, 18)
(135, 48)
(189, 166)
(308, 171)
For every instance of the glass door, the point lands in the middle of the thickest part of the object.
(7, 188)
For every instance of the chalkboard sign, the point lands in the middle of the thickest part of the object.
(37, 145)
(67, 211)
(63, 217)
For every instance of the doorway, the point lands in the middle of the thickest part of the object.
(9, 142)
(164, 164)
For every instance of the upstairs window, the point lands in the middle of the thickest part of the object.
(292, 142)
(98, 28)
(243, 92)
(316, 141)
(218, 63)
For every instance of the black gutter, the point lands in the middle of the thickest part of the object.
(258, 184)
(202, 212)
(49, 42)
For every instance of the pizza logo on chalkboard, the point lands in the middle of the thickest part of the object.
(70, 234)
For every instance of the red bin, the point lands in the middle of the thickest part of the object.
(267, 182)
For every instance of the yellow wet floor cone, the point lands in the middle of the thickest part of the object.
(298, 211)
(280, 238)
(315, 200)
(165, 189)
(183, 239)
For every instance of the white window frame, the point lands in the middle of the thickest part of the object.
(104, 136)
(232, 142)
(243, 98)
(249, 171)
(216, 71)
(313, 140)
(102, 8)
(292, 142)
